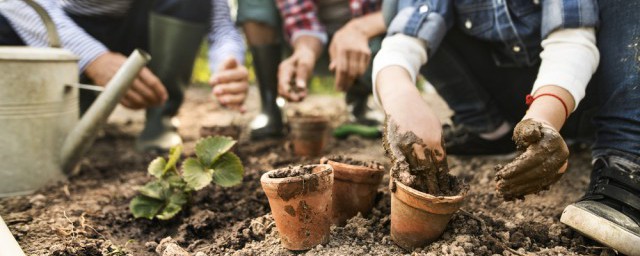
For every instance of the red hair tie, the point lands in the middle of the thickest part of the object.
(530, 99)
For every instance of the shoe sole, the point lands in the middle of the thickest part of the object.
(601, 230)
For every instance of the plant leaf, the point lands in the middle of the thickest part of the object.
(153, 189)
(174, 156)
(145, 207)
(174, 205)
(174, 180)
(210, 149)
(196, 176)
(157, 167)
(228, 170)
(169, 211)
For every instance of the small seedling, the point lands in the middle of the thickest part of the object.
(165, 196)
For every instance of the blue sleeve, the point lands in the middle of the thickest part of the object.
(558, 14)
(425, 19)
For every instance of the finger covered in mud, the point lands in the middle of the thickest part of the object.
(541, 163)
(416, 165)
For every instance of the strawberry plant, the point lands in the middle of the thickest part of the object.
(171, 189)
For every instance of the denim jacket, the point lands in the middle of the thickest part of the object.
(514, 28)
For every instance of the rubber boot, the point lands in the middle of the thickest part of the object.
(268, 124)
(173, 45)
(357, 103)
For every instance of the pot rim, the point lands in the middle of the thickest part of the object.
(343, 171)
(325, 171)
(427, 202)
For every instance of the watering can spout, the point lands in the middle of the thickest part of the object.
(82, 135)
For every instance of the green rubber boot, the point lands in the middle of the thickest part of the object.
(268, 124)
(173, 45)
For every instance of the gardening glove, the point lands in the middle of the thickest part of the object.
(414, 163)
(542, 161)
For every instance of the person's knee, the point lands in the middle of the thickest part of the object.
(260, 33)
(260, 21)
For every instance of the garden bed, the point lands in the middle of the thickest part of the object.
(89, 215)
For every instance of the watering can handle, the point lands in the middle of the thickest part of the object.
(52, 33)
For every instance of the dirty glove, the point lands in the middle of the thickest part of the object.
(542, 161)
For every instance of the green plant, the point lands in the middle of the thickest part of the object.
(165, 196)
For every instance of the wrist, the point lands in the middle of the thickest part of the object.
(308, 46)
(369, 25)
(91, 68)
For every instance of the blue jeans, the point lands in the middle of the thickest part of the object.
(483, 93)
(618, 78)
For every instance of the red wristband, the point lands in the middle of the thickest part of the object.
(530, 99)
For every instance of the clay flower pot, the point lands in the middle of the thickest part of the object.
(309, 134)
(300, 204)
(355, 185)
(417, 218)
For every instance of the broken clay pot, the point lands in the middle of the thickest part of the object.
(417, 218)
(309, 134)
(301, 205)
(355, 185)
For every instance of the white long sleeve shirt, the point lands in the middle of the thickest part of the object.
(224, 39)
(569, 59)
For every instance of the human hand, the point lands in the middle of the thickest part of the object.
(146, 90)
(294, 72)
(542, 162)
(230, 84)
(350, 56)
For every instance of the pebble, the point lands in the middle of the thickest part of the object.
(174, 250)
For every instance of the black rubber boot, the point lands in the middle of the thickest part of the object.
(357, 103)
(268, 124)
(173, 45)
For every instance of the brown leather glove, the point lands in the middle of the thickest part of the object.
(542, 161)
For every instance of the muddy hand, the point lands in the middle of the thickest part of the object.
(415, 163)
(542, 162)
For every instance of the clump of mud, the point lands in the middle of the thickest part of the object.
(416, 165)
(291, 171)
(351, 161)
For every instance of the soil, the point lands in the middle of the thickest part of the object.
(89, 215)
(232, 131)
(291, 171)
(418, 166)
(351, 161)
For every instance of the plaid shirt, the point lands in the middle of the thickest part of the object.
(300, 17)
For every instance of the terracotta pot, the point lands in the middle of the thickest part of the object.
(301, 206)
(309, 134)
(354, 189)
(417, 218)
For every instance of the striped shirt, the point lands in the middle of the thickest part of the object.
(224, 39)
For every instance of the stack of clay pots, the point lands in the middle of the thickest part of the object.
(305, 206)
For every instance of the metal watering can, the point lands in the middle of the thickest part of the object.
(41, 136)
